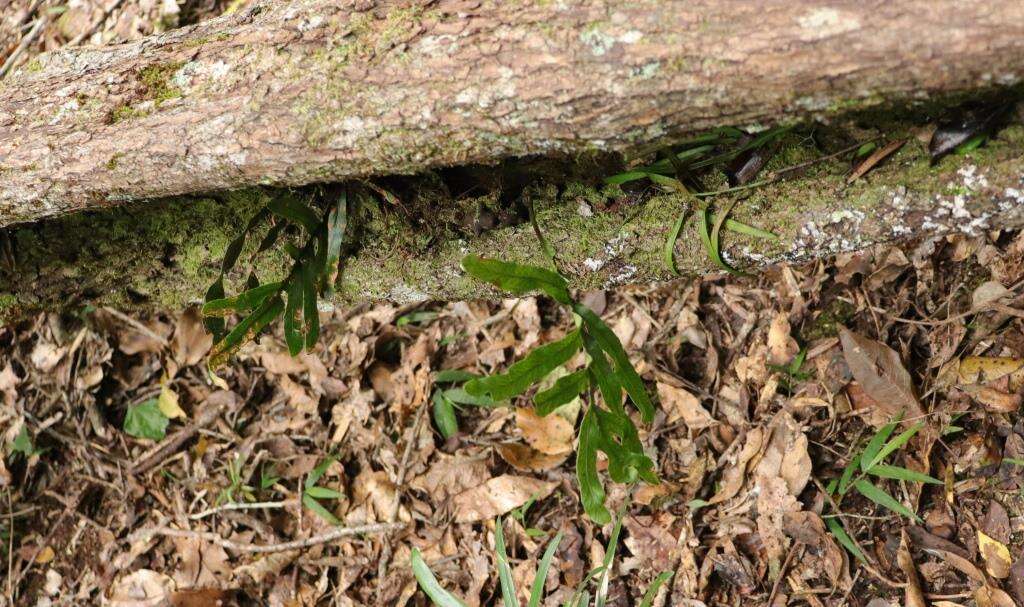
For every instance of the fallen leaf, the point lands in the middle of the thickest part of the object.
(880, 373)
(267, 567)
(913, 595)
(781, 345)
(987, 369)
(996, 554)
(142, 588)
(527, 459)
(497, 496)
(988, 292)
(681, 404)
(168, 403)
(990, 596)
(874, 159)
(993, 399)
(45, 356)
(190, 341)
(551, 434)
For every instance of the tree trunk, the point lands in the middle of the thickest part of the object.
(322, 90)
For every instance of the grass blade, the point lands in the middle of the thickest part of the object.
(310, 313)
(875, 446)
(246, 330)
(444, 416)
(337, 220)
(288, 206)
(900, 440)
(243, 302)
(844, 480)
(742, 228)
(537, 590)
(880, 497)
(428, 583)
(715, 239)
(508, 586)
(670, 243)
(652, 590)
(319, 510)
(528, 371)
(601, 594)
(293, 317)
(843, 538)
(902, 474)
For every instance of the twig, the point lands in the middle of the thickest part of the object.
(29, 38)
(782, 572)
(323, 538)
(385, 556)
(241, 506)
(138, 326)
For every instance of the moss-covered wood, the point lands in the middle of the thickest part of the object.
(163, 254)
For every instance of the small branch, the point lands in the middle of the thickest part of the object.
(171, 443)
(241, 506)
(29, 38)
(324, 538)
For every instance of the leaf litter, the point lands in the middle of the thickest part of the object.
(768, 389)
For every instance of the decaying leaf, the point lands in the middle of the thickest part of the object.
(781, 345)
(681, 404)
(497, 496)
(996, 554)
(142, 588)
(990, 596)
(913, 595)
(527, 459)
(988, 292)
(550, 434)
(880, 373)
(987, 369)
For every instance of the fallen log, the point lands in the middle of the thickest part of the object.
(163, 254)
(290, 93)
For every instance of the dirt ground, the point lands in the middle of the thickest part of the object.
(310, 480)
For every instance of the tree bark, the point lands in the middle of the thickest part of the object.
(290, 93)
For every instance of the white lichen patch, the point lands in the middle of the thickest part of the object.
(69, 106)
(826, 22)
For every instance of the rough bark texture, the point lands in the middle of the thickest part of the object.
(320, 90)
(163, 254)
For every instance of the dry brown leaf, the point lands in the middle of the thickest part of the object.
(990, 596)
(550, 434)
(680, 404)
(874, 159)
(988, 369)
(735, 474)
(190, 342)
(651, 542)
(786, 455)
(996, 554)
(994, 400)
(527, 459)
(880, 373)
(988, 292)
(267, 567)
(913, 595)
(960, 563)
(499, 495)
(781, 345)
(450, 475)
(996, 523)
(142, 588)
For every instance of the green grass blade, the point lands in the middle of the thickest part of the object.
(652, 590)
(287, 206)
(293, 317)
(880, 497)
(843, 538)
(601, 594)
(444, 416)
(337, 220)
(319, 510)
(537, 590)
(564, 390)
(246, 330)
(508, 585)
(894, 444)
(323, 493)
(741, 228)
(902, 474)
(875, 446)
(670, 243)
(847, 476)
(428, 583)
(528, 371)
(716, 241)
(517, 278)
(591, 492)
(447, 376)
(243, 302)
(310, 313)
(459, 396)
(624, 371)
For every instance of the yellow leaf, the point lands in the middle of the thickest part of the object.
(45, 555)
(168, 403)
(996, 554)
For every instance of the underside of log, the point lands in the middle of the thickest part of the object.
(290, 93)
(163, 254)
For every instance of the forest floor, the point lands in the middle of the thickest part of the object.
(746, 442)
(763, 400)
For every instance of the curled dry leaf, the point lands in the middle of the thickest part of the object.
(880, 373)
(497, 496)
(996, 554)
(781, 345)
(142, 588)
(994, 400)
(680, 404)
(988, 292)
(913, 595)
(527, 459)
(990, 596)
